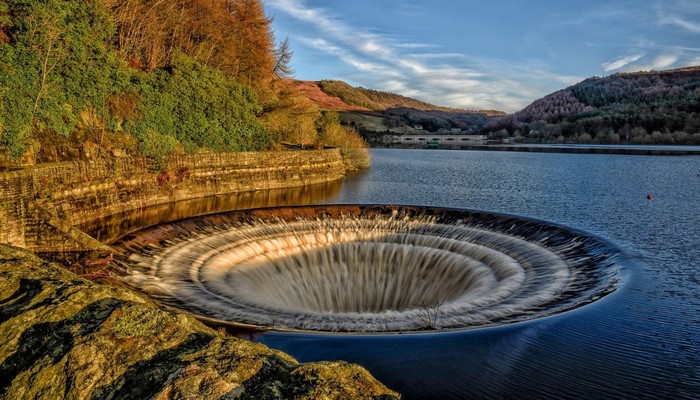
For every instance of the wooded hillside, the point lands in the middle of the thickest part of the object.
(80, 78)
(644, 107)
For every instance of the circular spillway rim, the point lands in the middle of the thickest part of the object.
(451, 214)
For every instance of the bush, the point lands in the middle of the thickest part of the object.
(585, 138)
(200, 108)
(332, 133)
(58, 65)
(694, 139)
(61, 76)
(158, 147)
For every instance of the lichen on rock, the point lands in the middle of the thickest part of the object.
(64, 337)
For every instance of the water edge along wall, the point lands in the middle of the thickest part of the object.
(41, 205)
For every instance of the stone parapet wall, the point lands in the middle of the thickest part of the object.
(16, 190)
(39, 204)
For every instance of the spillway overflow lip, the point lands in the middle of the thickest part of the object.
(369, 268)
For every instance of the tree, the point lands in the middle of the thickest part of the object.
(283, 56)
(430, 313)
(253, 40)
(46, 36)
(290, 114)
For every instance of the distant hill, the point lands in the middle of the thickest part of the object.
(323, 100)
(661, 107)
(376, 113)
(360, 98)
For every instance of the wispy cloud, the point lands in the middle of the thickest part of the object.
(385, 63)
(620, 62)
(439, 56)
(661, 62)
(675, 20)
(681, 14)
(334, 28)
(646, 54)
(597, 14)
(693, 62)
(415, 45)
(346, 56)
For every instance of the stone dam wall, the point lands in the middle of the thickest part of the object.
(41, 205)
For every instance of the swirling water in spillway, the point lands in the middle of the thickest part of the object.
(369, 269)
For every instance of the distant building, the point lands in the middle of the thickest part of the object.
(434, 140)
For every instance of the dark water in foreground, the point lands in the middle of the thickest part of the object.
(642, 342)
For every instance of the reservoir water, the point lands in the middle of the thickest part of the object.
(641, 342)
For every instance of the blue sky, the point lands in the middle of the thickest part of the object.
(493, 54)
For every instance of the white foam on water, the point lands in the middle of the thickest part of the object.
(379, 273)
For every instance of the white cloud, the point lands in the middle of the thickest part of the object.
(451, 79)
(620, 62)
(661, 62)
(664, 61)
(345, 56)
(439, 56)
(693, 62)
(415, 45)
(322, 45)
(335, 29)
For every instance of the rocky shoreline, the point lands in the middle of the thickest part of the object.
(65, 337)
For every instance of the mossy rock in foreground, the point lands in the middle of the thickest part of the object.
(64, 337)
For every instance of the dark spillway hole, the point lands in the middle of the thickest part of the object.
(369, 268)
(361, 277)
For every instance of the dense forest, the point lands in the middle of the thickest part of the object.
(83, 78)
(642, 108)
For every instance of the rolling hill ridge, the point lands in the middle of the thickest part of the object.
(656, 107)
(374, 113)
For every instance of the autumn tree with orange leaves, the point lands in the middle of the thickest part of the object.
(153, 77)
(230, 35)
(233, 36)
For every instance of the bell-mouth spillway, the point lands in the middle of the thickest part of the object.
(368, 268)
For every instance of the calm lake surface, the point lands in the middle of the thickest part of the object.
(642, 342)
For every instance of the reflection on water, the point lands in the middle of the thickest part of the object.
(110, 228)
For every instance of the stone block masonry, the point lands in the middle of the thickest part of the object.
(41, 205)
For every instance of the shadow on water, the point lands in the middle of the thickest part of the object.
(110, 228)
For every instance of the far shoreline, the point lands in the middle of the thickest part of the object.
(628, 149)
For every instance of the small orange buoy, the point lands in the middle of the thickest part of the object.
(649, 197)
